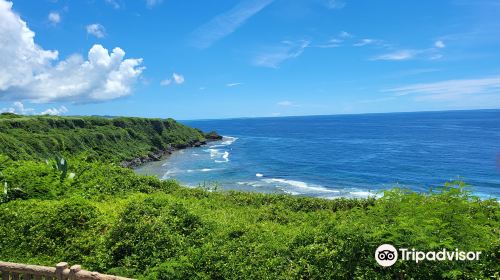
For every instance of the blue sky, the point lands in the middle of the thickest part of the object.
(221, 59)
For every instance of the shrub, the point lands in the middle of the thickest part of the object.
(150, 231)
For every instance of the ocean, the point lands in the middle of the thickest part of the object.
(343, 155)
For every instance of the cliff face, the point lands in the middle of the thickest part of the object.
(129, 141)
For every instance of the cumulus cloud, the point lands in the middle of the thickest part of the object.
(54, 17)
(55, 111)
(19, 108)
(273, 57)
(28, 72)
(96, 29)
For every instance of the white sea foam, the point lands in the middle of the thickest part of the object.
(251, 183)
(259, 175)
(228, 140)
(362, 194)
(170, 173)
(298, 187)
(291, 192)
(224, 157)
(207, 169)
(214, 153)
(202, 170)
(216, 146)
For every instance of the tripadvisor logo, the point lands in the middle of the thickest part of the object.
(387, 255)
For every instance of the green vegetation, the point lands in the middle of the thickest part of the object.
(106, 139)
(95, 213)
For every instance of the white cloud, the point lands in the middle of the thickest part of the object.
(55, 111)
(287, 103)
(439, 44)
(275, 56)
(344, 34)
(152, 3)
(28, 72)
(332, 43)
(335, 4)
(165, 82)
(96, 29)
(452, 89)
(19, 108)
(178, 78)
(19, 55)
(227, 22)
(233, 84)
(436, 56)
(54, 17)
(431, 53)
(364, 42)
(113, 3)
(397, 55)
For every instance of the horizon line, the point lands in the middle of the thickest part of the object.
(344, 114)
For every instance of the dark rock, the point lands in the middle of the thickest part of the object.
(159, 155)
(198, 144)
(213, 136)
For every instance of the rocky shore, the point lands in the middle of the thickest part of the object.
(161, 154)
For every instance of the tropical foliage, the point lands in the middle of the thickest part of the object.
(106, 139)
(90, 211)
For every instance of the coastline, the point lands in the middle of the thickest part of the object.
(164, 153)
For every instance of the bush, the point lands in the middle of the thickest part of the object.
(150, 231)
(41, 232)
(179, 233)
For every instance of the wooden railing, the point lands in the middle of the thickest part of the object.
(62, 271)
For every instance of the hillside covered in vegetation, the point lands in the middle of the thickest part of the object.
(106, 139)
(91, 211)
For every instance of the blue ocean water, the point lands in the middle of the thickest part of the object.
(344, 155)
